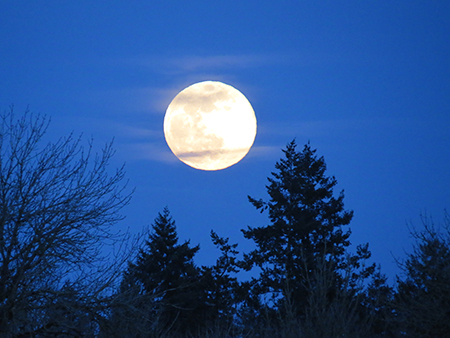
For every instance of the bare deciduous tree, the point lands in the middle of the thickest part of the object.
(57, 204)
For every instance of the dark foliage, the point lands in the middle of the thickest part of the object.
(423, 298)
(380, 306)
(306, 224)
(302, 256)
(220, 284)
(165, 274)
(55, 213)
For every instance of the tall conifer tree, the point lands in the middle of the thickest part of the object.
(305, 230)
(165, 271)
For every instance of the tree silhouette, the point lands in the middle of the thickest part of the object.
(302, 254)
(57, 204)
(423, 299)
(379, 302)
(221, 284)
(166, 274)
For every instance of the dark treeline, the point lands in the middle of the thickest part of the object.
(58, 203)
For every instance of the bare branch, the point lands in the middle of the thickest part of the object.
(58, 202)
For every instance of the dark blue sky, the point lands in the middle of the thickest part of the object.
(367, 83)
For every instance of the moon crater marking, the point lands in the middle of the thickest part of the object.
(210, 125)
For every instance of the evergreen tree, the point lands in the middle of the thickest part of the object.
(304, 236)
(423, 298)
(220, 286)
(166, 274)
(379, 303)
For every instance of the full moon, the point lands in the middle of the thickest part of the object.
(210, 125)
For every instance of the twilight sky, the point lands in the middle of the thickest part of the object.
(367, 83)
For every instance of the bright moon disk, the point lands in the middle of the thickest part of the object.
(210, 125)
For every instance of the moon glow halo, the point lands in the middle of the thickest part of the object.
(210, 125)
